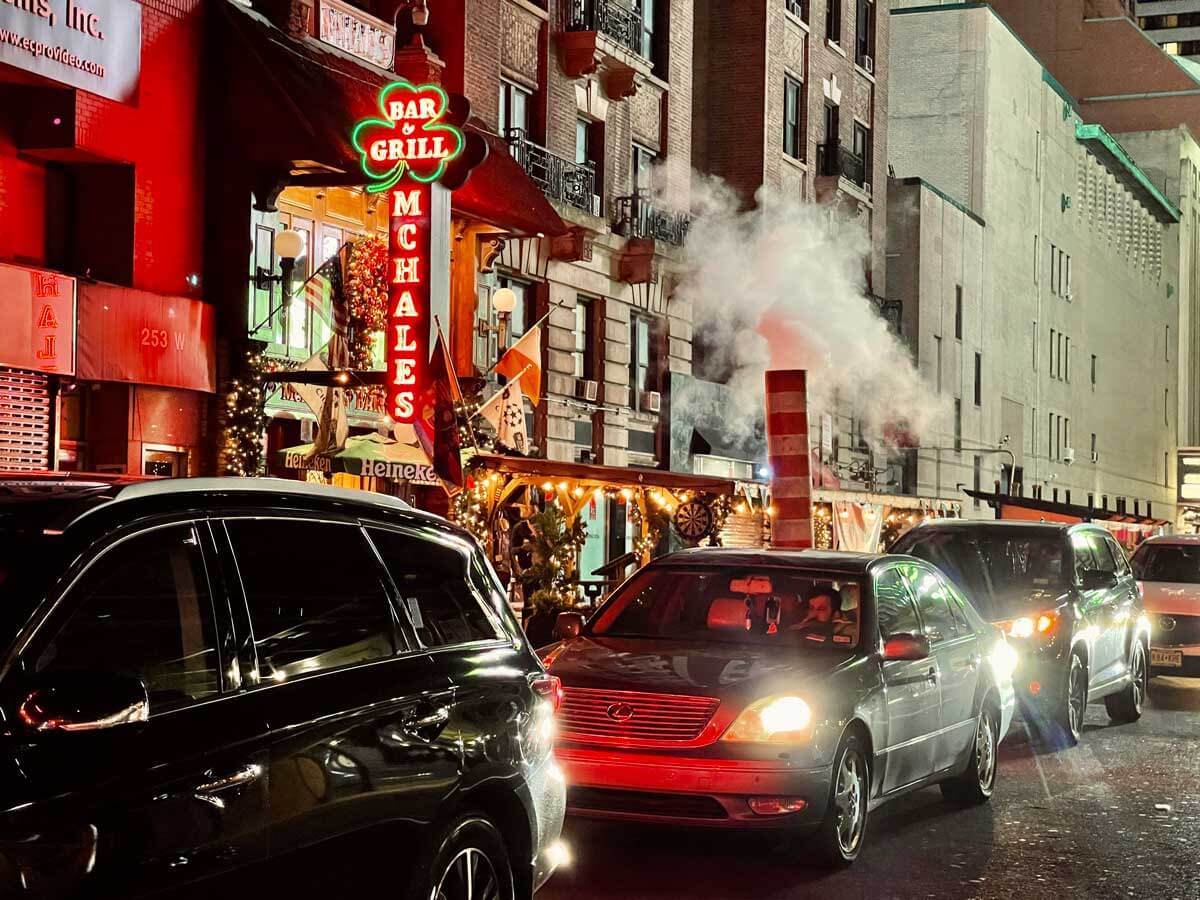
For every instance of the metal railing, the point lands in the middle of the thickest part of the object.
(621, 23)
(639, 216)
(835, 160)
(563, 179)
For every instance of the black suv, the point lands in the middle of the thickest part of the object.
(1067, 599)
(210, 684)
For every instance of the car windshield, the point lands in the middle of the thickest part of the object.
(1167, 562)
(767, 606)
(1004, 571)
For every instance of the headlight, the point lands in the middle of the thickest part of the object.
(772, 720)
(1003, 659)
(1027, 626)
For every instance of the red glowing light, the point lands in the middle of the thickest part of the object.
(408, 298)
(549, 687)
(1035, 687)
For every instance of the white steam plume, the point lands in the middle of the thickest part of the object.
(781, 286)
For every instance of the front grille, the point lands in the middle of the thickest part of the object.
(1174, 631)
(645, 803)
(630, 717)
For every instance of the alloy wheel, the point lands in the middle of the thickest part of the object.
(1077, 697)
(469, 876)
(851, 802)
(1139, 678)
(985, 753)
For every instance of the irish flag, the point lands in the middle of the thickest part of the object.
(524, 361)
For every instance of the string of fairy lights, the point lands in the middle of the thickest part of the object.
(245, 417)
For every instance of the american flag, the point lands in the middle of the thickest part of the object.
(325, 287)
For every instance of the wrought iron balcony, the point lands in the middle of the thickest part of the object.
(834, 160)
(638, 216)
(623, 24)
(563, 179)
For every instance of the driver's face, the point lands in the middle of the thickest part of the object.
(820, 608)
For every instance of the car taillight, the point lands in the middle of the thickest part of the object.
(549, 687)
(1042, 625)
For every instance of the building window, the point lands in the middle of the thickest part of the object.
(647, 16)
(864, 43)
(1035, 345)
(979, 379)
(798, 8)
(1167, 345)
(582, 141)
(1053, 346)
(793, 117)
(1066, 360)
(958, 312)
(1166, 406)
(833, 21)
(522, 315)
(642, 168)
(515, 104)
(584, 354)
(641, 357)
(862, 148)
(1066, 434)
(1093, 370)
(1053, 269)
(957, 425)
(1095, 456)
(1050, 436)
(937, 341)
(1067, 277)
(977, 477)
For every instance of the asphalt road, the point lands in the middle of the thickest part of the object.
(1116, 816)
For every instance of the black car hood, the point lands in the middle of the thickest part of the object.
(684, 667)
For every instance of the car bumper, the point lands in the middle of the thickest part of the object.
(1189, 657)
(548, 791)
(707, 792)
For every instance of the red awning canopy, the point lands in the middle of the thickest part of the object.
(528, 467)
(500, 193)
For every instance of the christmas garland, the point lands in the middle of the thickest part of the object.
(366, 295)
(245, 417)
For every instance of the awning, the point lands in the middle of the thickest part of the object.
(1060, 511)
(895, 501)
(296, 100)
(500, 193)
(553, 470)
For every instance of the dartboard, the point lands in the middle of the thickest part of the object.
(693, 520)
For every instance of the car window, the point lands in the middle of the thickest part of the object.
(1084, 552)
(933, 601)
(144, 608)
(317, 597)
(1168, 562)
(894, 606)
(431, 579)
(1104, 558)
(1118, 554)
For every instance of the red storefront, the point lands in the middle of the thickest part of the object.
(102, 205)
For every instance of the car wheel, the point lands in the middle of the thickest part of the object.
(839, 837)
(978, 782)
(470, 862)
(1127, 705)
(1074, 703)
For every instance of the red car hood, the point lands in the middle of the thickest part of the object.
(1170, 597)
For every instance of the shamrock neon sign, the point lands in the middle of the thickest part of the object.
(411, 139)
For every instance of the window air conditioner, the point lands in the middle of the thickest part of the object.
(1095, 456)
(586, 389)
(1068, 455)
(869, 64)
(597, 205)
(650, 401)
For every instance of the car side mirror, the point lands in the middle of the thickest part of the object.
(1095, 580)
(568, 625)
(85, 702)
(906, 647)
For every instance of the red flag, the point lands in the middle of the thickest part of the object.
(436, 425)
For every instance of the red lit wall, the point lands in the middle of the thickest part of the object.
(22, 204)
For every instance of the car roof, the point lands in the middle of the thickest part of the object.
(824, 560)
(1000, 524)
(60, 503)
(1177, 539)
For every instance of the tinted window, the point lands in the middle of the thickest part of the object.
(1167, 562)
(1118, 554)
(1084, 551)
(934, 604)
(767, 607)
(1004, 570)
(316, 594)
(431, 578)
(1103, 554)
(144, 608)
(894, 605)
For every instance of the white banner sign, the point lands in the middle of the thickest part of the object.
(95, 45)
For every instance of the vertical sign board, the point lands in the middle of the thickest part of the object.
(405, 151)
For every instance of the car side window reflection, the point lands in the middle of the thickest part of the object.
(144, 609)
(933, 602)
(894, 606)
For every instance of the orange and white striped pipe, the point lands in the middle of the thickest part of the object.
(788, 456)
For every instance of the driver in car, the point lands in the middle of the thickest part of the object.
(824, 607)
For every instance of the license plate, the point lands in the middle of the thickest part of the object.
(1169, 659)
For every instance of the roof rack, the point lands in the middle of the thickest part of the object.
(277, 486)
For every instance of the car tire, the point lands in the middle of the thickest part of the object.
(1068, 721)
(840, 836)
(469, 851)
(1127, 705)
(977, 782)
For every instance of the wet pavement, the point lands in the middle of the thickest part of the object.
(1116, 816)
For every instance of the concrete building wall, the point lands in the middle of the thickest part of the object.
(963, 85)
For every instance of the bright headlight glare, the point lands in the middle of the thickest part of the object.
(1021, 628)
(1003, 659)
(774, 719)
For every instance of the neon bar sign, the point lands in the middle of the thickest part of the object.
(404, 152)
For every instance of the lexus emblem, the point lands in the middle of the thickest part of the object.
(1166, 623)
(620, 712)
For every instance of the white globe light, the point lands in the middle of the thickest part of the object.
(504, 300)
(289, 244)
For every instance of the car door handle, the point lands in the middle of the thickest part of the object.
(209, 791)
(971, 663)
(430, 724)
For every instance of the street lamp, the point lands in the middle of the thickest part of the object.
(504, 301)
(289, 244)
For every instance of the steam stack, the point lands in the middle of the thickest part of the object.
(788, 455)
